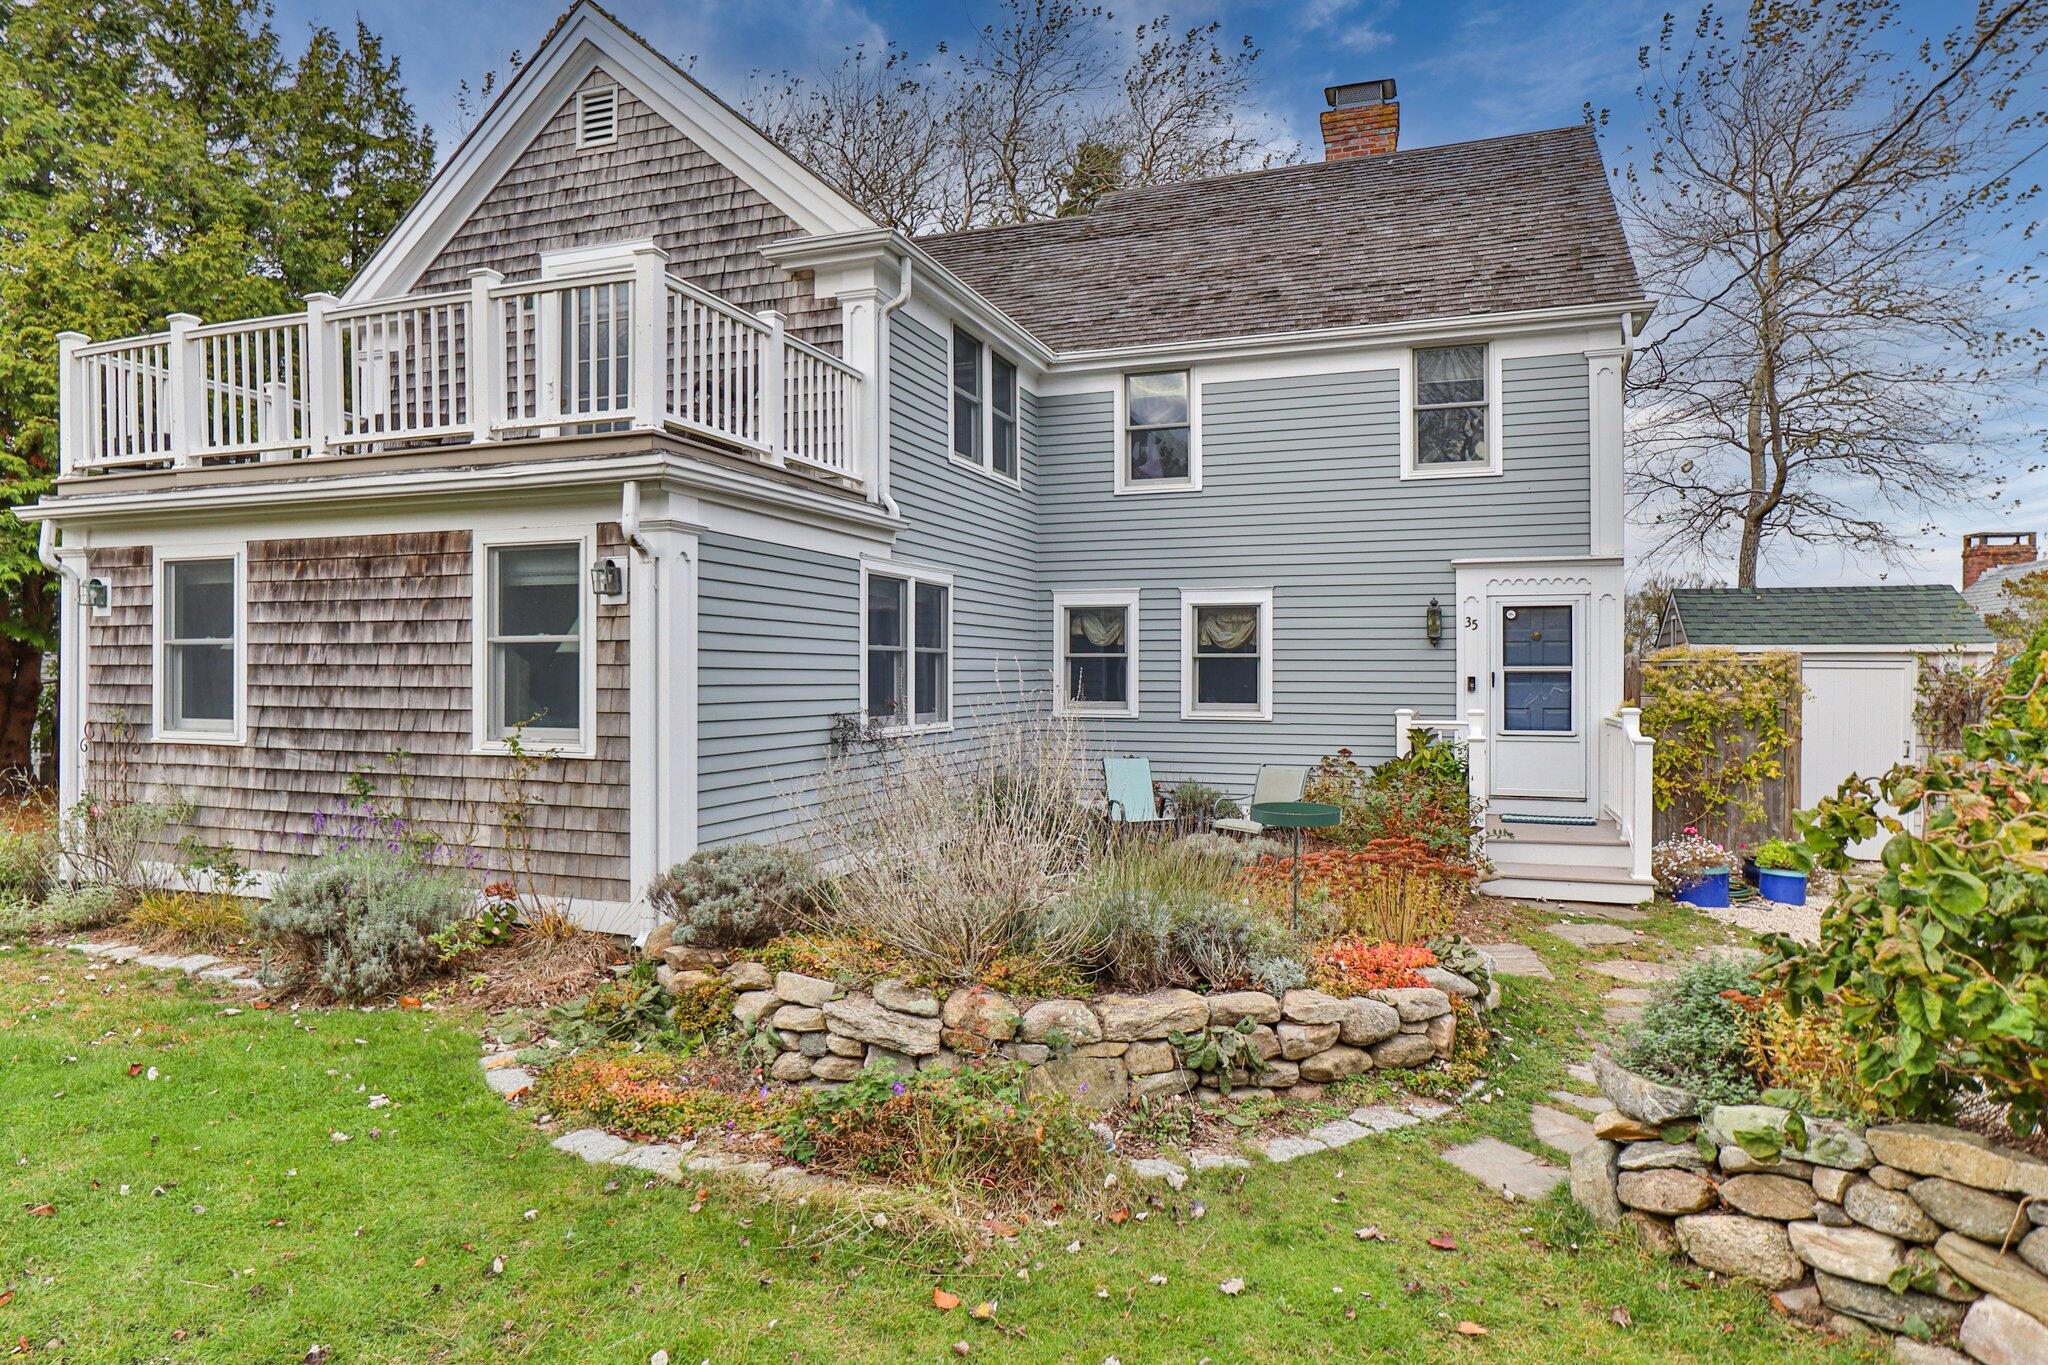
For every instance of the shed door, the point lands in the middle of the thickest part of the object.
(1857, 718)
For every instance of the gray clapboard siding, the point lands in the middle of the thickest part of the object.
(778, 637)
(653, 182)
(1302, 494)
(985, 530)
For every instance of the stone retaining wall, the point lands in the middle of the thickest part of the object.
(1919, 1229)
(1104, 1051)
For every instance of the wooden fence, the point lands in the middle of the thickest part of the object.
(1731, 825)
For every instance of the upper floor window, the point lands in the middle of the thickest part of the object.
(1159, 446)
(535, 643)
(597, 116)
(199, 648)
(908, 671)
(1452, 411)
(984, 406)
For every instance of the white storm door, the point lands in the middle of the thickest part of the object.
(1857, 718)
(1539, 697)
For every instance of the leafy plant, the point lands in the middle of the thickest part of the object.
(1695, 1034)
(355, 922)
(66, 909)
(1278, 974)
(632, 1009)
(1353, 966)
(1456, 953)
(494, 921)
(28, 863)
(1686, 860)
(1938, 968)
(739, 895)
(1425, 794)
(1721, 722)
(1221, 1051)
(647, 1093)
(1809, 1054)
(1197, 799)
(1776, 855)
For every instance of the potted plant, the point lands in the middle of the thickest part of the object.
(1693, 869)
(1779, 876)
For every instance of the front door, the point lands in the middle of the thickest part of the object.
(1539, 698)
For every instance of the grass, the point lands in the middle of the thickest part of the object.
(247, 1232)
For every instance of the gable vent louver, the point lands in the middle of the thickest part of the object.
(597, 117)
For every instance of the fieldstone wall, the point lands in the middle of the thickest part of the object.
(1919, 1229)
(1104, 1051)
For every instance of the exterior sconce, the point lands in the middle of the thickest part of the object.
(608, 579)
(1433, 622)
(99, 598)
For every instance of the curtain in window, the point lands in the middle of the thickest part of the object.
(1102, 627)
(1226, 627)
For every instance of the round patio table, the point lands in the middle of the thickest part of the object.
(1296, 816)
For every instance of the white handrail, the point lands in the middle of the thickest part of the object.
(1627, 797)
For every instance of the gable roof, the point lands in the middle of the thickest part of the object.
(583, 39)
(1500, 225)
(1883, 614)
(1987, 594)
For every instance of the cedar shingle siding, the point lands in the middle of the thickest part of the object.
(653, 182)
(358, 649)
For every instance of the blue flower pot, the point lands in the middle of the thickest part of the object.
(1777, 884)
(1710, 892)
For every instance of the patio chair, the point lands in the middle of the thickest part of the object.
(1127, 787)
(1276, 782)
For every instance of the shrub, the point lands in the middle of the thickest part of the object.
(1353, 966)
(739, 895)
(1425, 794)
(1395, 889)
(953, 860)
(1808, 1053)
(1231, 848)
(122, 843)
(969, 1129)
(1204, 802)
(1695, 1034)
(28, 863)
(1938, 969)
(65, 910)
(495, 920)
(355, 922)
(633, 1009)
(1277, 975)
(197, 920)
(646, 1094)
(1158, 915)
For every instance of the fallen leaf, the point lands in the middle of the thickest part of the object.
(408, 1002)
(42, 1210)
(961, 1348)
(1444, 1242)
(6, 1297)
(1620, 1318)
(945, 1302)
(983, 1311)
(135, 1068)
(1469, 1328)
(497, 1266)
(262, 1005)
(1370, 1233)
(418, 1261)
(1232, 1286)
(658, 1358)
(1119, 1215)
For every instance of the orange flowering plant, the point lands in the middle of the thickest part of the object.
(1353, 966)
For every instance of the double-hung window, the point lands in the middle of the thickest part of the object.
(1097, 637)
(984, 411)
(908, 672)
(1452, 412)
(1158, 445)
(536, 650)
(199, 648)
(1227, 653)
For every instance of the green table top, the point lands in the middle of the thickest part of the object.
(1296, 814)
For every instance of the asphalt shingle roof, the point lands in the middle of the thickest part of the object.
(1988, 593)
(1499, 225)
(1887, 614)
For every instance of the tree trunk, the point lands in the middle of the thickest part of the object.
(21, 689)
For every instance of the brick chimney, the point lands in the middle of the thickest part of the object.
(1363, 120)
(1984, 551)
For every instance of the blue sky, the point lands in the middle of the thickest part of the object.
(1466, 68)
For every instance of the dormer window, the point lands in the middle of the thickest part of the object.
(597, 117)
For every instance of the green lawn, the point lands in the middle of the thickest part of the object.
(210, 1215)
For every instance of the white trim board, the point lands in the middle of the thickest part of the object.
(587, 38)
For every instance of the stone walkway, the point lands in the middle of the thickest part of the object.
(1507, 1170)
(1373, 1118)
(203, 966)
(1514, 959)
(1593, 935)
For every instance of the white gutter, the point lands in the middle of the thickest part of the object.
(46, 551)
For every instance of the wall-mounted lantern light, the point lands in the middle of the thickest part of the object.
(98, 596)
(608, 578)
(1433, 622)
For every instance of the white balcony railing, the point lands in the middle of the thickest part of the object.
(634, 348)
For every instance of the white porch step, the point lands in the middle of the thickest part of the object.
(1601, 886)
(1549, 856)
(1513, 832)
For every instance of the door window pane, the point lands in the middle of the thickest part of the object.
(536, 640)
(1536, 663)
(199, 645)
(1540, 702)
(1536, 637)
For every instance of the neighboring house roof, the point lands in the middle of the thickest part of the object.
(1495, 226)
(1887, 614)
(1987, 594)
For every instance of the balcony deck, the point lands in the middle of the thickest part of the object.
(501, 364)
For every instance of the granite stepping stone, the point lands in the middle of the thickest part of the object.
(1556, 1129)
(1339, 1133)
(1428, 1110)
(1514, 959)
(1382, 1118)
(1592, 935)
(1617, 914)
(1288, 1148)
(1505, 1169)
(1595, 1105)
(592, 1144)
(1634, 972)
(1583, 1073)
(1217, 1161)
(509, 1080)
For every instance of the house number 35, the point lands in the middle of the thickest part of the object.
(1471, 623)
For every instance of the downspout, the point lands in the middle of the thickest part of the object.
(882, 404)
(46, 551)
(629, 530)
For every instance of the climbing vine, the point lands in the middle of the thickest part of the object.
(1720, 720)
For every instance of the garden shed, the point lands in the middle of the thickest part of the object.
(1861, 651)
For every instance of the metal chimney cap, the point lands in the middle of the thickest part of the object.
(1359, 92)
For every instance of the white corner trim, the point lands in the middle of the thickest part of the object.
(586, 39)
(1122, 485)
(1190, 598)
(1128, 599)
(546, 743)
(1495, 464)
(911, 574)
(237, 734)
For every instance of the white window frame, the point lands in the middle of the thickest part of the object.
(1191, 598)
(1493, 467)
(987, 376)
(912, 575)
(583, 99)
(162, 729)
(1124, 485)
(1128, 599)
(483, 723)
